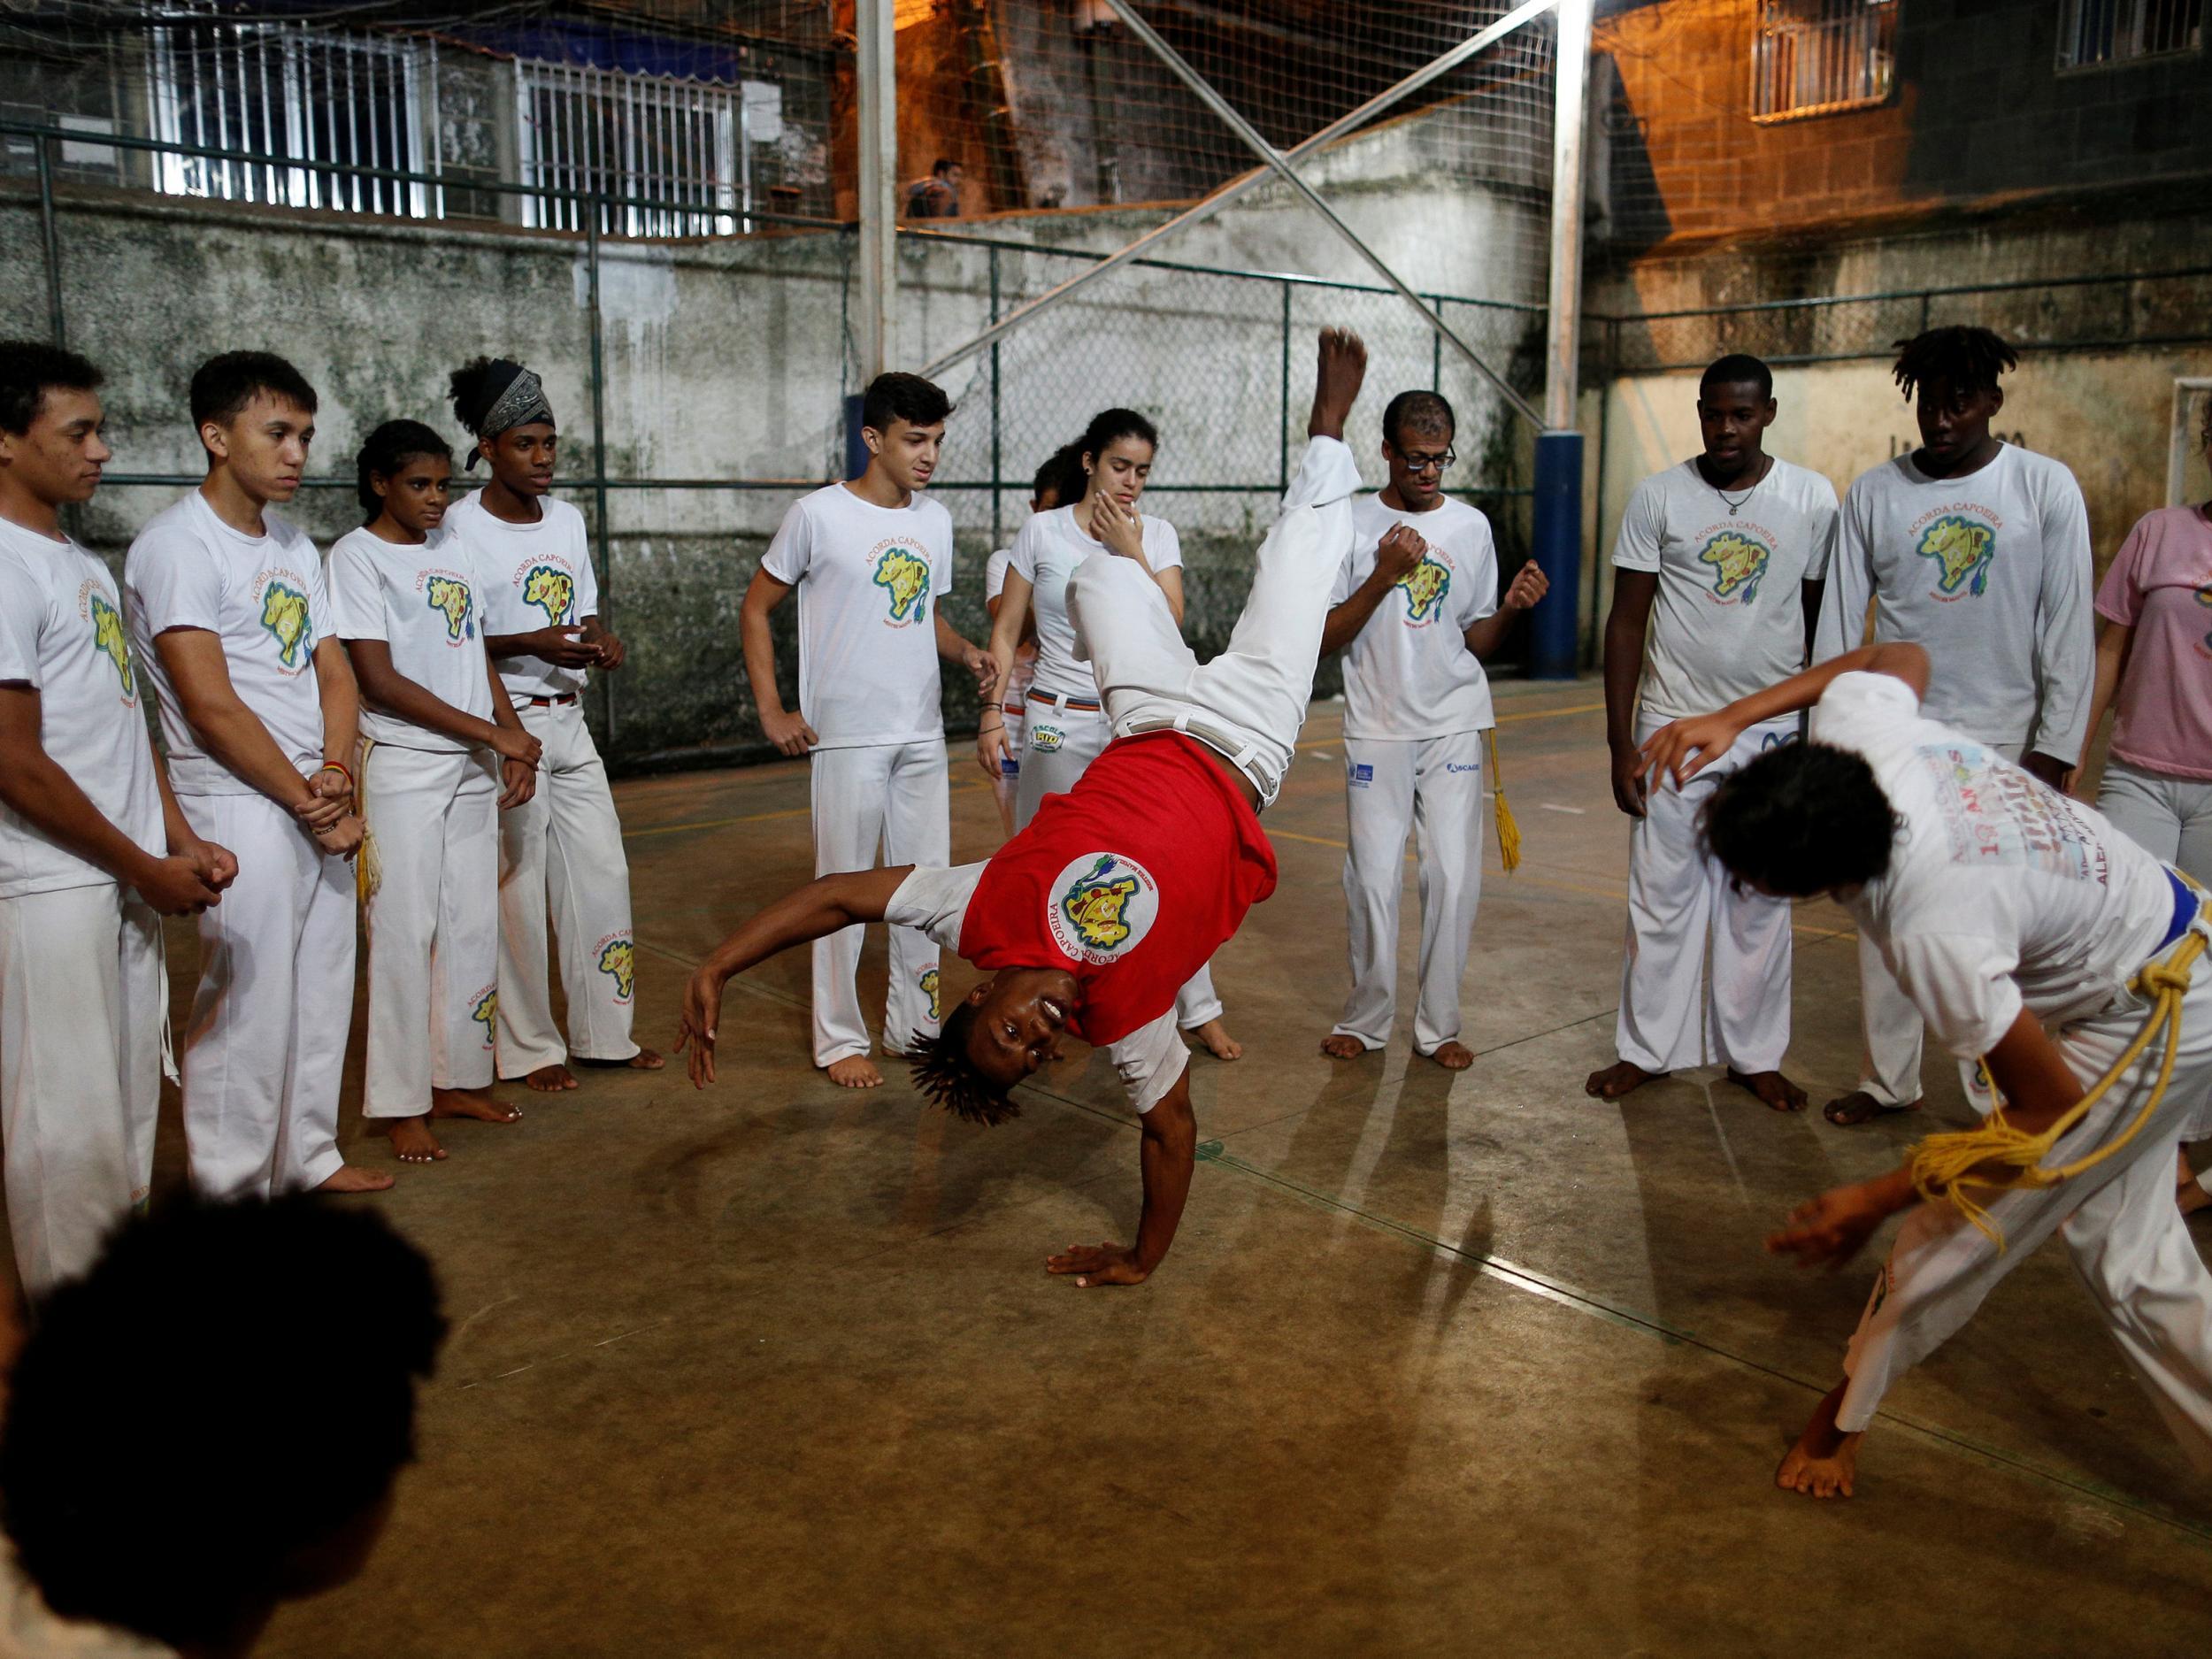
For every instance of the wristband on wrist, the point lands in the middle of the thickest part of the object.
(339, 767)
(981, 728)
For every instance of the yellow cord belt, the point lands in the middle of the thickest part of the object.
(1941, 1163)
(1509, 832)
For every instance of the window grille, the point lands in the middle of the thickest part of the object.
(2092, 32)
(684, 146)
(1817, 56)
(337, 102)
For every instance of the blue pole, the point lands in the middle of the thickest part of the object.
(1556, 538)
(855, 449)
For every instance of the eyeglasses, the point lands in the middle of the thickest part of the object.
(1427, 463)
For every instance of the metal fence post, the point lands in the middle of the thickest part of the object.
(54, 321)
(1436, 347)
(1282, 427)
(998, 471)
(599, 459)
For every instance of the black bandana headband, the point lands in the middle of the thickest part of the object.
(513, 397)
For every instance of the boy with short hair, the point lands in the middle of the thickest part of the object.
(869, 558)
(230, 622)
(91, 845)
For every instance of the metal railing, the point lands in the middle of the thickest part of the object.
(1816, 57)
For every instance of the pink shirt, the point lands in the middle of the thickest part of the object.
(2160, 586)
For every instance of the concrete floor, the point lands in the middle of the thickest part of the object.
(1440, 1364)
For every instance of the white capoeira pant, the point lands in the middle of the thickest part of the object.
(1893, 1028)
(84, 1013)
(1434, 790)
(1248, 703)
(2129, 1243)
(1064, 739)
(1687, 920)
(2169, 817)
(433, 924)
(892, 798)
(266, 1046)
(563, 850)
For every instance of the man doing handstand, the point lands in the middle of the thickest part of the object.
(1089, 919)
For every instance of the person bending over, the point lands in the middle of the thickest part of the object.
(1089, 920)
(149, 1518)
(2006, 910)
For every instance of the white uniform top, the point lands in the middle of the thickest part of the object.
(1991, 572)
(1149, 1059)
(528, 577)
(421, 601)
(62, 634)
(2001, 891)
(869, 580)
(1046, 551)
(1409, 674)
(261, 596)
(994, 573)
(1730, 615)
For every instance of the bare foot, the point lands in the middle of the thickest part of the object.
(412, 1140)
(551, 1080)
(643, 1060)
(349, 1179)
(1342, 1044)
(1336, 382)
(1848, 1112)
(1623, 1077)
(1825, 1460)
(461, 1102)
(855, 1071)
(1453, 1056)
(1217, 1041)
(1773, 1089)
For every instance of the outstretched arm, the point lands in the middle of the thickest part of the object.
(814, 911)
(1685, 747)
(1169, 1152)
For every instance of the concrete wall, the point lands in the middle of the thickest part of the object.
(728, 361)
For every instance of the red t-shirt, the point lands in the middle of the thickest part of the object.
(1131, 881)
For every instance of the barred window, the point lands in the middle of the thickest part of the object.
(331, 104)
(2092, 32)
(681, 151)
(1817, 56)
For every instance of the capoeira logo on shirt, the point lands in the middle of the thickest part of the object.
(1961, 548)
(1106, 904)
(1737, 562)
(485, 1012)
(284, 613)
(618, 959)
(449, 596)
(552, 590)
(1425, 586)
(904, 574)
(107, 639)
(930, 985)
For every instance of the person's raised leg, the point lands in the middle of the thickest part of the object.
(917, 830)
(588, 877)
(530, 1045)
(1447, 827)
(848, 795)
(1889, 1078)
(66, 1115)
(1658, 1028)
(1378, 818)
(404, 795)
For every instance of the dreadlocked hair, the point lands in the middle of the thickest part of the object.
(941, 1069)
(1969, 358)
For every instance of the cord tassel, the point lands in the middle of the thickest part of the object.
(1509, 832)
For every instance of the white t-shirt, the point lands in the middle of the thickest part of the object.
(1149, 1060)
(421, 601)
(869, 580)
(994, 573)
(1408, 674)
(1046, 551)
(262, 597)
(1991, 572)
(1730, 615)
(528, 577)
(1999, 889)
(62, 634)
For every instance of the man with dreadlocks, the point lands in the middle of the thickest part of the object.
(2032, 932)
(1978, 550)
(1091, 917)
